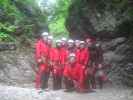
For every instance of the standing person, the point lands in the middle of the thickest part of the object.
(57, 69)
(63, 52)
(93, 66)
(99, 53)
(84, 58)
(100, 74)
(77, 50)
(41, 55)
(50, 48)
(83, 55)
(92, 63)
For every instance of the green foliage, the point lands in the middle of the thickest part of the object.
(6, 31)
(58, 18)
(7, 28)
(119, 3)
(24, 14)
(6, 37)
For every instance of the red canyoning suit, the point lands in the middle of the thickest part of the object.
(77, 52)
(83, 57)
(41, 53)
(57, 69)
(63, 56)
(75, 76)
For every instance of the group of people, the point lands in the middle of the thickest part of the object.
(73, 64)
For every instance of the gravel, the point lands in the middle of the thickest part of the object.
(108, 93)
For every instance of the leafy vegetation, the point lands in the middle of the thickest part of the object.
(58, 17)
(24, 17)
(6, 37)
(20, 17)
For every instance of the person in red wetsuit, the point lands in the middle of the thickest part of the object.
(83, 54)
(77, 50)
(57, 69)
(41, 54)
(63, 52)
(83, 57)
(74, 76)
(68, 73)
(50, 48)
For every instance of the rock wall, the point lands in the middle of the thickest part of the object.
(94, 17)
(111, 25)
(15, 67)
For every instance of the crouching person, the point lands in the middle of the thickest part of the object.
(74, 75)
(68, 73)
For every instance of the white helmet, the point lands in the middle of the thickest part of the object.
(63, 39)
(97, 44)
(58, 41)
(50, 37)
(72, 55)
(77, 41)
(82, 42)
(70, 41)
(45, 34)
